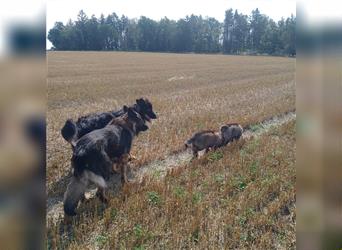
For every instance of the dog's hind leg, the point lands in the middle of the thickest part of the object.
(194, 152)
(101, 185)
(74, 193)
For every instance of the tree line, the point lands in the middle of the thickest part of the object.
(238, 34)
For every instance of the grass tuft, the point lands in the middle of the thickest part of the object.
(215, 156)
(153, 198)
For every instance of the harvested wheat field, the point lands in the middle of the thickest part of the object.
(240, 196)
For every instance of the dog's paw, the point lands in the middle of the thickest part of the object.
(105, 200)
(132, 158)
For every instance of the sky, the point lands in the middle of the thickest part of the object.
(32, 11)
(63, 10)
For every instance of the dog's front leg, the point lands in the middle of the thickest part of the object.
(124, 174)
(194, 152)
(124, 162)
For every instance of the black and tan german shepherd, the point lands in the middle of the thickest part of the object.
(95, 153)
(72, 131)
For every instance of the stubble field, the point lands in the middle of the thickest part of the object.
(239, 196)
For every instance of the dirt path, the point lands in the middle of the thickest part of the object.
(159, 167)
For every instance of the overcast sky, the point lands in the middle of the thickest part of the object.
(316, 12)
(63, 10)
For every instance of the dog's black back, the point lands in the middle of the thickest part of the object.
(72, 131)
(86, 124)
(95, 153)
(96, 150)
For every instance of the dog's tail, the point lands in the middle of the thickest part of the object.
(75, 191)
(82, 176)
(77, 186)
(69, 130)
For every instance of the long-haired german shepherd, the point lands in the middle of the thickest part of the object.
(95, 153)
(72, 131)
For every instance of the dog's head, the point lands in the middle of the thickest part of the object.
(231, 131)
(136, 120)
(225, 133)
(224, 128)
(145, 109)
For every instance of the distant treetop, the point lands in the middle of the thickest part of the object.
(238, 34)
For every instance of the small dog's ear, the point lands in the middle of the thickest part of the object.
(224, 128)
(125, 108)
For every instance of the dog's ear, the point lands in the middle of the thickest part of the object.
(147, 102)
(140, 101)
(125, 108)
(223, 128)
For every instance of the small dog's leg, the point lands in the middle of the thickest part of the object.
(195, 153)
